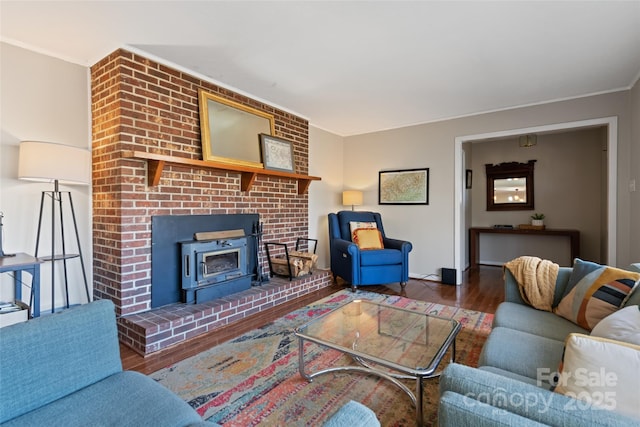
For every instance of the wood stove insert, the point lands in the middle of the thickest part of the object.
(215, 268)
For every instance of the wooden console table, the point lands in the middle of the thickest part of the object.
(474, 239)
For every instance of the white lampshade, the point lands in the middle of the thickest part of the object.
(352, 198)
(48, 161)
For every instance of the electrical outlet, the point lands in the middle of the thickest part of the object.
(632, 185)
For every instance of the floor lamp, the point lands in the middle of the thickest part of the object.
(59, 164)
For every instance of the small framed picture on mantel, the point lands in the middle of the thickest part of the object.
(277, 153)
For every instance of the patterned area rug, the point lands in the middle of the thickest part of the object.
(254, 380)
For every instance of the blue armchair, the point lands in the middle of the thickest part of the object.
(366, 267)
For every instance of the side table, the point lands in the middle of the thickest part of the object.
(30, 264)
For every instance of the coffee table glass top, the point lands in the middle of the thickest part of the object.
(402, 339)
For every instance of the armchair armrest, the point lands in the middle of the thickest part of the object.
(401, 245)
(404, 247)
(511, 288)
(345, 246)
(344, 256)
(509, 396)
(456, 410)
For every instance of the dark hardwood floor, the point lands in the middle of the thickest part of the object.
(481, 290)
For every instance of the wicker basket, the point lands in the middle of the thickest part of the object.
(530, 227)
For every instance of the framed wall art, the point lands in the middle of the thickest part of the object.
(403, 187)
(277, 153)
(468, 179)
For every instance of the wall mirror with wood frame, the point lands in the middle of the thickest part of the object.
(510, 186)
(229, 130)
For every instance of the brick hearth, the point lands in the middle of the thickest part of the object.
(138, 104)
(159, 328)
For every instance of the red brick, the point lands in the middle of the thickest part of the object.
(138, 104)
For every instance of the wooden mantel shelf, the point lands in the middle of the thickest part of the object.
(248, 174)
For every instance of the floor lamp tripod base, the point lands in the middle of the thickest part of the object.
(57, 198)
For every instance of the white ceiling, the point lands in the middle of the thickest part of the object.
(361, 66)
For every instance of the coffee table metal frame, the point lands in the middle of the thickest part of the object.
(366, 361)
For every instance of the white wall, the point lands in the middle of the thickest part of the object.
(431, 228)
(325, 196)
(43, 99)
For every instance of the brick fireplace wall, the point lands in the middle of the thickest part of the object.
(138, 104)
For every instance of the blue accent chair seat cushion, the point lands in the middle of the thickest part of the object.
(381, 257)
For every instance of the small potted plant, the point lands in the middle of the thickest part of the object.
(537, 219)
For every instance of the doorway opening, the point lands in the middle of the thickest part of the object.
(461, 217)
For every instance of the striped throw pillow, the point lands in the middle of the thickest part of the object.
(599, 291)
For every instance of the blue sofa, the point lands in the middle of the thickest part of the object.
(64, 369)
(368, 267)
(504, 389)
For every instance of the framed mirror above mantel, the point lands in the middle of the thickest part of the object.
(229, 130)
(510, 186)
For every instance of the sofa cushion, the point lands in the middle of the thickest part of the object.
(511, 375)
(603, 372)
(345, 218)
(522, 353)
(368, 238)
(509, 396)
(123, 399)
(512, 289)
(537, 322)
(62, 352)
(634, 299)
(623, 325)
(596, 291)
(353, 414)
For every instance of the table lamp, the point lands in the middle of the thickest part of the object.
(59, 164)
(352, 197)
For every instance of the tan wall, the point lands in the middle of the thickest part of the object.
(634, 159)
(324, 196)
(567, 177)
(28, 90)
(431, 228)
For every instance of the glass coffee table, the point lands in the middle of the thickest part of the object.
(389, 342)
